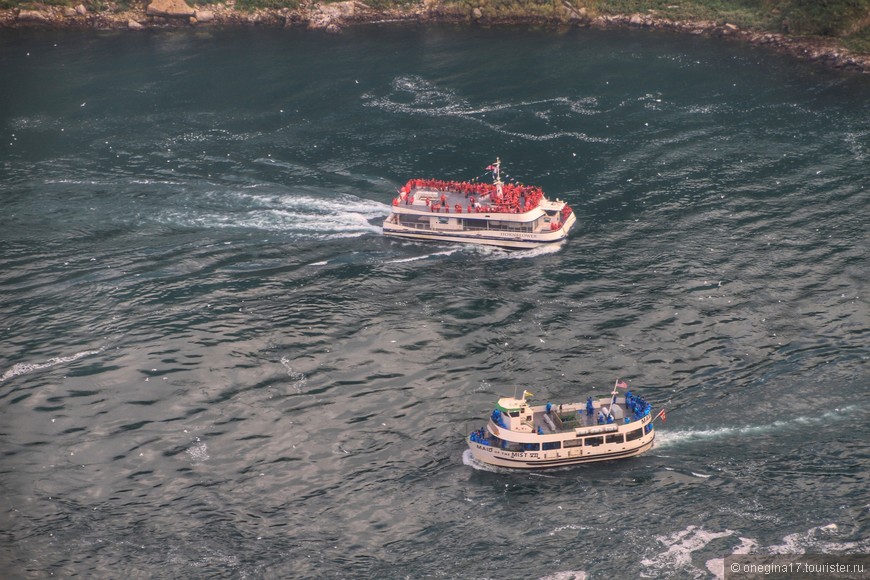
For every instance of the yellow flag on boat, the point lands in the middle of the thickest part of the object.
(527, 394)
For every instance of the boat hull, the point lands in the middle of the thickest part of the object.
(512, 240)
(558, 458)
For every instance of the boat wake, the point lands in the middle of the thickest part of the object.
(430, 100)
(501, 254)
(487, 252)
(665, 438)
(305, 214)
(445, 253)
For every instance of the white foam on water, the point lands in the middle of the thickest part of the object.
(299, 379)
(717, 565)
(544, 250)
(468, 459)
(430, 100)
(25, 368)
(198, 452)
(819, 539)
(679, 548)
(566, 575)
(666, 438)
(424, 257)
(572, 527)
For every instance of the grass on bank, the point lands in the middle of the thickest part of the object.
(848, 20)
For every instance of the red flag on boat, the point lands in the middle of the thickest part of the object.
(489, 167)
(664, 416)
(621, 384)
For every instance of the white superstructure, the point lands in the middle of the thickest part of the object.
(498, 214)
(521, 435)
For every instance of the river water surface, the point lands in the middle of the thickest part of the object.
(213, 365)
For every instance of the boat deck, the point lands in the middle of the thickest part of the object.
(437, 201)
(570, 420)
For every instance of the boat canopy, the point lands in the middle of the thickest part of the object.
(509, 404)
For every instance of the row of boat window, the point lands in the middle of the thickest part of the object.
(494, 225)
(569, 443)
(474, 224)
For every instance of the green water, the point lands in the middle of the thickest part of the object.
(213, 365)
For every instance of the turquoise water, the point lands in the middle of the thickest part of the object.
(213, 365)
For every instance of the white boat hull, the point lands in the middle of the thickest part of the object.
(515, 240)
(560, 457)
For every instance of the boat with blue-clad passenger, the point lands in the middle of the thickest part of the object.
(525, 436)
(508, 215)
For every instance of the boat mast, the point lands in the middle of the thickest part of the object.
(613, 397)
(497, 174)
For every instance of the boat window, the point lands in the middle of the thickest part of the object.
(613, 438)
(593, 441)
(511, 446)
(514, 413)
(531, 446)
(547, 446)
(634, 435)
(572, 443)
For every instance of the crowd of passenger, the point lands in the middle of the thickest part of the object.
(479, 436)
(481, 197)
(638, 406)
(634, 403)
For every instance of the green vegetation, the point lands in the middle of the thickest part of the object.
(859, 41)
(825, 17)
(848, 20)
(32, 4)
(845, 20)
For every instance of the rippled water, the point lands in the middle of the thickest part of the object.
(213, 365)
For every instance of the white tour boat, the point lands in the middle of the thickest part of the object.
(498, 214)
(520, 435)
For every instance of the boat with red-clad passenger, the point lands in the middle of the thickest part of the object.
(524, 436)
(508, 215)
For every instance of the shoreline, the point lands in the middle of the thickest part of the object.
(332, 17)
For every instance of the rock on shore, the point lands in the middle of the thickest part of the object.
(169, 9)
